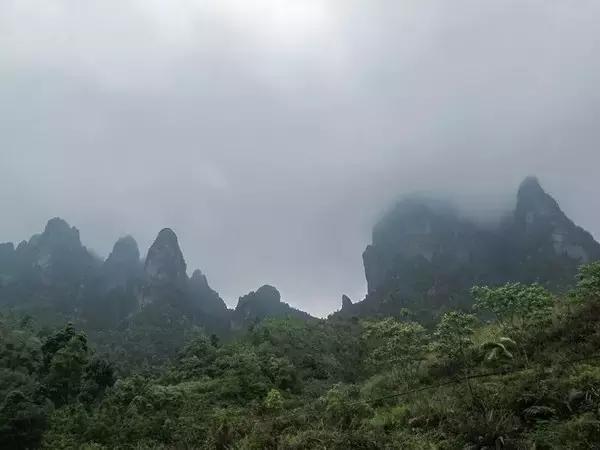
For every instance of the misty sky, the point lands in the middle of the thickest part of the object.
(270, 134)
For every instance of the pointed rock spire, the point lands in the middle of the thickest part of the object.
(165, 263)
(205, 297)
(123, 264)
(346, 302)
(534, 205)
(58, 233)
(124, 252)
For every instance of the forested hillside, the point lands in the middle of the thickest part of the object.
(528, 379)
(469, 338)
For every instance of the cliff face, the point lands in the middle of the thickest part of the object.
(165, 265)
(426, 256)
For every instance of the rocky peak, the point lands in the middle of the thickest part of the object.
(58, 233)
(123, 264)
(264, 297)
(58, 254)
(125, 252)
(536, 207)
(165, 263)
(264, 302)
(427, 258)
(205, 297)
(346, 302)
(199, 280)
(544, 228)
(268, 294)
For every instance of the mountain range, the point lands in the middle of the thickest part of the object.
(54, 271)
(424, 257)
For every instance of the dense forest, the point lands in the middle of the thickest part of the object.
(521, 370)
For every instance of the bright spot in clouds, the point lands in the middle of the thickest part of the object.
(277, 22)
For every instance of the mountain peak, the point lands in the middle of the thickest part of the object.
(125, 249)
(198, 279)
(167, 235)
(536, 207)
(428, 260)
(530, 184)
(165, 263)
(123, 264)
(269, 293)
(264, 302)
(58, 231)
(346, 302)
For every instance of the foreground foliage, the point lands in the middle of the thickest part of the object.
(530, 379)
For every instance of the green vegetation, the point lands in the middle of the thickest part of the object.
(528, 379)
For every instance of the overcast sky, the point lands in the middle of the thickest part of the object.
(271, 134)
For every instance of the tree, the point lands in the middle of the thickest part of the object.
(274, 400)
(513, 301)
(588, 281)
(65, 371)
(394, 344)
(60, 340)
(98, 375)
(453, 335)
(22, 421)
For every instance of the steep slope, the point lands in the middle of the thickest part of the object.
(205, 298)
(113, 295)
(425, 255)
(54, 273)
(48, 271)
(165, 270)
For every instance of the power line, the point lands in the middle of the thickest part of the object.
(459, 380)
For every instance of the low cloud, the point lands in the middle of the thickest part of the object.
(270, 135)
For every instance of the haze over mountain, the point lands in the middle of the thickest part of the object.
(425, 256)
(271, 137)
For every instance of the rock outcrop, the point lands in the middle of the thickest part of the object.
(57, 254)
(265, 302)
(168, 292)
(50, 269)
(164, 263)
(55, 272)
(123, 264)
(205, 298)
(425, 255)
(346, 302)
(548, 244)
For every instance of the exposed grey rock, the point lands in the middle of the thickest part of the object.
(346, 302)
(164, 263)
(541, 223)
(58, 255)
(426, 256)
(205, 297)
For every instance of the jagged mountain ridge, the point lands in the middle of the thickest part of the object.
(425, 256)
(54, 270)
